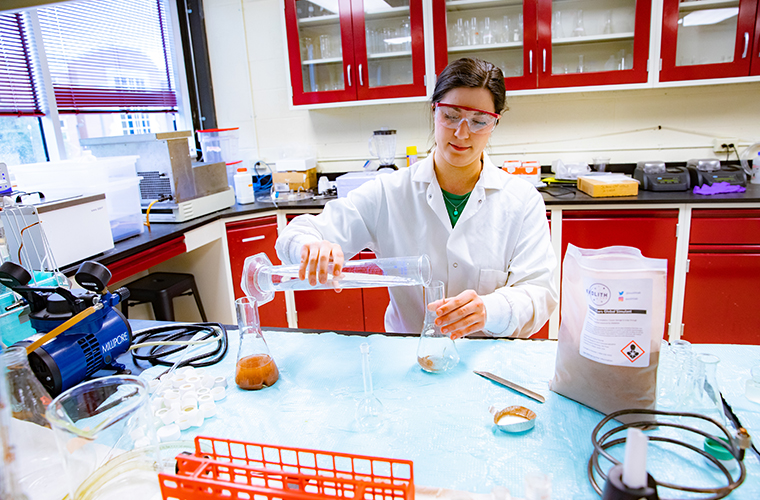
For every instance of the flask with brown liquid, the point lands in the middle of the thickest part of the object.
(255, 368)
(436, 351)
(28, 398)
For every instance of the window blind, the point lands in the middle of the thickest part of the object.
(18, 94)
(107, 56)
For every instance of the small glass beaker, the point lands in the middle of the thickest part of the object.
(255, 367)
(261, 279)
(752, 387)
(28, 398)
(436, 351)
(97, 421)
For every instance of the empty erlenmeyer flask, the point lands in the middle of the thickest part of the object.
(255, 368)
(436, 351)
(369, 409)
(28, 399)
(261, 279)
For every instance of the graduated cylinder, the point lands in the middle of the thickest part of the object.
(261, 279)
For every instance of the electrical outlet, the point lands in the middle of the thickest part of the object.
(720, 143)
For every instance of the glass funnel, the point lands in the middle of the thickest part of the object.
(255, 367)
(436, 351)
(100, 420)
(261, 279)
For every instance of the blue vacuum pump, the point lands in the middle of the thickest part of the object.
(79, 331)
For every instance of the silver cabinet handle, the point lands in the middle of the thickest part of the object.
(253, 238)
(746, 44)
(530, 61)
(348, 74)
(544, 60)
(361, 81)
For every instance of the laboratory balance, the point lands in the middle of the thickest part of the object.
(710, 171)
(656, 176)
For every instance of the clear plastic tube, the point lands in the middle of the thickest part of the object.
(261, 279)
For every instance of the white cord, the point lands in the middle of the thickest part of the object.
(173, 342)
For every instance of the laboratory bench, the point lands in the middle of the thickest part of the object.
(441, 422)
(712, 244)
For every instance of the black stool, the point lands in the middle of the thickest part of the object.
(160, 289)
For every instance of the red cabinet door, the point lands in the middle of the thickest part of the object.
(320, 51)
(247, 238)
(389, 49)
(705, 40)
(509, 40)
(543, 333)
(348, 50)
(651, 231)
(720, 301)
(755, 56)
(582, 45)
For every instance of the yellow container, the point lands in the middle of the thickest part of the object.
(608, 185)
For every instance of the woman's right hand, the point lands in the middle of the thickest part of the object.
(318, 259)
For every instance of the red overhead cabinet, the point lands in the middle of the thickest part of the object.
(710, 39)
(547, 43)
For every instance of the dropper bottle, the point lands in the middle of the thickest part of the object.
(369, 409)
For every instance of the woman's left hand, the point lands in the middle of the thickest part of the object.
(461, 315)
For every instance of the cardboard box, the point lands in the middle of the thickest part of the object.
(297, 180)
(608, 185)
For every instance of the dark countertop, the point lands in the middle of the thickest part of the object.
(163, 232)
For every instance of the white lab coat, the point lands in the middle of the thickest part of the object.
(499, 247)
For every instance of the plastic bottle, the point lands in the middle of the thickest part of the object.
(756, 169)
(244, 186)
(411, 155)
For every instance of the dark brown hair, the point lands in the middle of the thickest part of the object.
(472, 73)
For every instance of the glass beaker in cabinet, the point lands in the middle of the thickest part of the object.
(436, 351)
(255, 367)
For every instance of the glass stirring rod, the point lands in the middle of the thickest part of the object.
(369, 409)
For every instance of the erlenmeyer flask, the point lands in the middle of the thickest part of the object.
(28, 399)
(255, 368)
(436, 351)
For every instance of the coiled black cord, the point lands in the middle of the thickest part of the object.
(603, 443)
(179, 332)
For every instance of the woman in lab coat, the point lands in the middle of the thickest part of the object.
(484, 230)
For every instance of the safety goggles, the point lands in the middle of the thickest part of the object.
(451, 116)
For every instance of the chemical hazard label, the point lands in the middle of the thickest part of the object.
(632, 351)
(618, 321)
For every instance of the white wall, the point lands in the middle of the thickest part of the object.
(249, 71)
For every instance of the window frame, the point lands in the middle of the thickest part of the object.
(52, 134)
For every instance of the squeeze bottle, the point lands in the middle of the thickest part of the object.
(756, 169)
(244, 186)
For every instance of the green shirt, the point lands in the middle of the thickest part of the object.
(455, 205)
